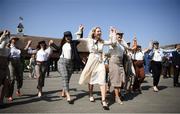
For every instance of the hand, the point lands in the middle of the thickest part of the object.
(112, 29)
(7, 32)
(51, 42)
(4, 35)
(81, 27)
(4, 32)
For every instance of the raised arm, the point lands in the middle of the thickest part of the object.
(112, 37)
(29, 49)
(79, 33)
(49, 49)
(112, 34)
(3, 39)
(145, 50)
(28, 45)
(134, 45)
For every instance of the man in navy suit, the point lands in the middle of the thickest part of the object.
(176, 65)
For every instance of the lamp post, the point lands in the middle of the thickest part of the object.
(20, 27)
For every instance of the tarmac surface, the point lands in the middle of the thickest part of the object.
(167, 100)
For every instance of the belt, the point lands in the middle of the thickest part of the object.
(96, 52)
(41, 62)
(14, 58)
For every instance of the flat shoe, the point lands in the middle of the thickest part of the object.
(91, 99)
(105, 107)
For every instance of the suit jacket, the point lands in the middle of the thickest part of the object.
(176, 58)
(77, 62)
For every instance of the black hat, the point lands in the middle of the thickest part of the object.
(138, 46)
(119, 33)
(128, 42)
(67, 33)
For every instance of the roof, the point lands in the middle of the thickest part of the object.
(171, 46)
(23, 40)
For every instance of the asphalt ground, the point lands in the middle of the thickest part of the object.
(167, 100)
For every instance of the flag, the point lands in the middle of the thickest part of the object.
(20, 18)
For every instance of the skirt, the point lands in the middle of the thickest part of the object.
(116, 71)
(93, 72)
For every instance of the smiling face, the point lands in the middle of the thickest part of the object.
(14, 41)
(119, 37)
(68, 39)
(156, 46)
(97, 33)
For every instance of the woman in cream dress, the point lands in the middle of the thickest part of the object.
(94, 71)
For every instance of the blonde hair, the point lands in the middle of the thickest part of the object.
(92, 32)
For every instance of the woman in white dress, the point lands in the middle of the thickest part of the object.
(94, 71)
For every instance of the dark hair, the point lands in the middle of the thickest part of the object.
(1, 32)
(120, 33)
(68, 33)
(39, 45)
(63, 41)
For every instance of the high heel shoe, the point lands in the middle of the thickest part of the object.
(18, 93)
(105, 106)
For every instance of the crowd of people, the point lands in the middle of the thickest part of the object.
(121, 68)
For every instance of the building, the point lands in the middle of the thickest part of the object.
(23, 40)
(171, 46)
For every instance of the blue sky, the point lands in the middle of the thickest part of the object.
(148, 19)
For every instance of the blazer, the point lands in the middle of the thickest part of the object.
(176, 58)
(77, 62)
